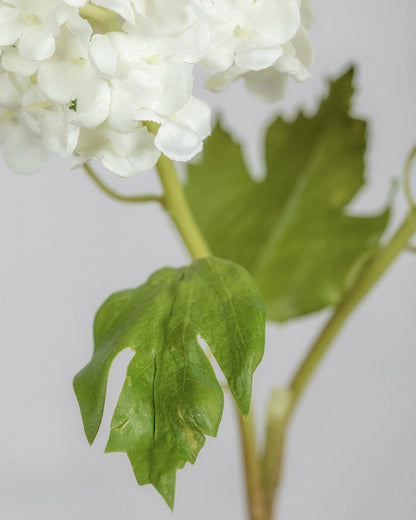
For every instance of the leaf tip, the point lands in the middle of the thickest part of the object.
(166, 485)
(89, 418)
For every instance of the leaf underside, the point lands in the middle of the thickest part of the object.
(171, 397)
(291, 231)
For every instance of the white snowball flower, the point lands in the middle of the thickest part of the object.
(90, 79)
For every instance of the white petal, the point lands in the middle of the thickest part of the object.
(277, 19)
(219, 57)
(122, 7)
(93, 102)
(58, 134)
(197, 116)
(255, 57)
(149, 115)
(178, 142)
(80, 27)
(190, 39)
(145, 159)
(91, 143)
(143, 84)
(10, 28)
(56, 81)
(119, 165)
(102, 55)
(218, 82)
(13, 61)
(178, 87)
(143, 154)
(122, 116)
(130, 48)
(303, 47)
(9, 95)
(9, 35)
(36, 43)
(292, 65)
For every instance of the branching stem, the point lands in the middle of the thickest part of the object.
(118, 196)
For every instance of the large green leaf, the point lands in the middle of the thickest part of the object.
(292, 231)
(171, 397)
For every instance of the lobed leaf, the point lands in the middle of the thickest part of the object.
(292, 231)
(171, 397)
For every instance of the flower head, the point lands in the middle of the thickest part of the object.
(84, 79)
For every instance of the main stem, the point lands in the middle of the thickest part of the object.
(177, 206)
(253, 468)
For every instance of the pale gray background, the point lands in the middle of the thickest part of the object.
(65, 247)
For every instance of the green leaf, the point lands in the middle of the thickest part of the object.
(171, 397)
(291, 231)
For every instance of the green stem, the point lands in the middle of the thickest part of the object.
(371, 275)
(177, 206)
(252, 467)
(118, 196)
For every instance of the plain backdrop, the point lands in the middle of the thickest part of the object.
(65, 247)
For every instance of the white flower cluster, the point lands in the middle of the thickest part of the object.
(113, 79)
